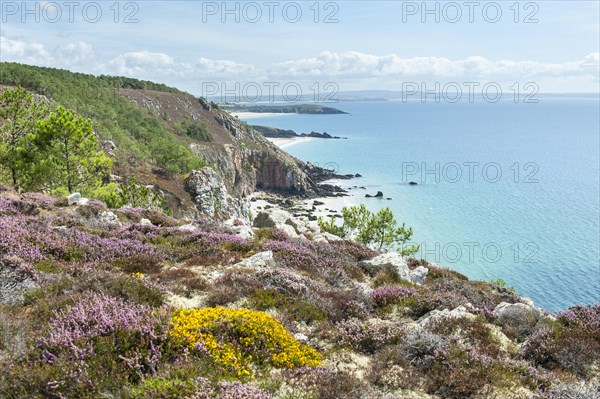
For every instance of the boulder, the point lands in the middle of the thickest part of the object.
(395, 260)
(145, 222)
(378, 195)
(281, 219)
(418, 274)
(258, 261)
(187, 227)
(16, 278)
(73, 198)
(108, 218)
(437, 315)
(210, 195)
(520, 316)
(243, 231)
(263, 221)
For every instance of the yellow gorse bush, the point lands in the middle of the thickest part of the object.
(235, 338)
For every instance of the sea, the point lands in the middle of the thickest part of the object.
(504, 190)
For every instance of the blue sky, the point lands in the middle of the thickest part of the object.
(373, 44)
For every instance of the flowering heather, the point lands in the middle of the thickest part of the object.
(294, 255)
(582, 317)
(136, 231)
(288, 282)
(90, 247)
(238, 390)
(390, 294)
(39, 199)
(133, 213)
(74, 329)
(9, 205)
(368, 336)
(357, 251)
(27, 239)
(318, 259)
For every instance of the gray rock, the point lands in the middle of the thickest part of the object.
(83, 201)
(281, 219)
(330, 237)
(418, 275)
(301, 337)
(187, 227)
(73, 198)
(145, 222)
(395, 260)
(521, 316)
(211, 198)
(15, 279)
(437, 315)
(107, 218)
(259, 261)
(243, 231)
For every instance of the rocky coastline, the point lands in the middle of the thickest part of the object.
(272, 132)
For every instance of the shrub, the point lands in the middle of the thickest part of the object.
(572, 343)
(171, 386)
(75, 331)
(131, 193)
(422, 347)
(97, 344)
(198, 131)
(570, 391)
(325, 383)
(377, 229)
(297, 310)
(474, 333)
(140, 264)
(392, 294)
(366, 337)
(236, 338)
(238, 390)
(232, 286)
(357, 251)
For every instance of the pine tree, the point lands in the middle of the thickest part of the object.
(73, 160)
(19, 115)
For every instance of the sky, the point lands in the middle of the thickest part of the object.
(278, 47)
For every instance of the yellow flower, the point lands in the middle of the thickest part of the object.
(235, 338)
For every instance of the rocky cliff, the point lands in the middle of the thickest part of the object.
(243, 157)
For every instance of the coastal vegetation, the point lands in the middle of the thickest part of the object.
(139, 137)
(375, 229)
(114, 297)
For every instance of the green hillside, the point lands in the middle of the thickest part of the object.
(140, 138)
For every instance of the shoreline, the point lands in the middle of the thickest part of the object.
(305, 209)
(288, 142)
(252, 115)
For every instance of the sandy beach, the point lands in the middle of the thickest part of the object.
(288, 142)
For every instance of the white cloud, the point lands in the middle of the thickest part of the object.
(351, 68)
(208, 68)
(75, 53)
(360, 65)
(21, 51)
(144, 63)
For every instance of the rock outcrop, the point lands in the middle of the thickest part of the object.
(211, 198)
(395, 260)
(15, 279)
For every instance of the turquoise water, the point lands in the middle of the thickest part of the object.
(537, 229)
